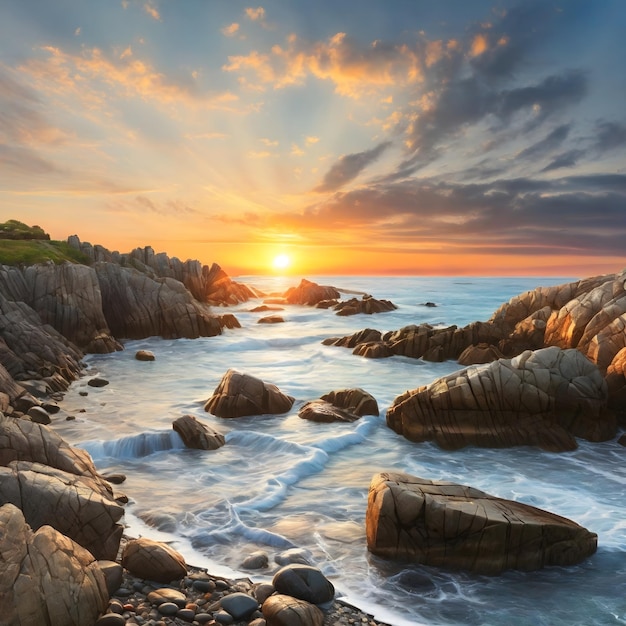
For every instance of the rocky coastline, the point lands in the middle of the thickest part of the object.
(547, 368)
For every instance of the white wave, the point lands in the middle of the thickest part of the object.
(134, 446)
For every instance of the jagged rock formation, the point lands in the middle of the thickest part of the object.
(46, 578)
(457, 527)
(137, 306)
(239, 394)
(322, 411)
(589, 315)
(544, 398)
(197, 435)
(210, 285)
(481, 353)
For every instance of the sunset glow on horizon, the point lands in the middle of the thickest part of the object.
(397, 138)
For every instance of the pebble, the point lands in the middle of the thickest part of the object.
(168, 608)
(111, 619)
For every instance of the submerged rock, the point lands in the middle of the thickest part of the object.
(457, 527)
(197, 435)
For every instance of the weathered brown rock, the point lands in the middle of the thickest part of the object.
(22, 440)
(322, 411)
(367, 305)
(241, 394)
(271, 319)
(351, 341)
(355, 400)
(616, 384)
(46, 578)
(137, 306)
(458, 527)
(65, 501)
(153, 560)
(544, 398)
(482, 353)
(283, 610)
(373, 350)
(144, 355)
(197, 435)
(310, 293)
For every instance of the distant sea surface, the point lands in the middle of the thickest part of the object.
(283, 482)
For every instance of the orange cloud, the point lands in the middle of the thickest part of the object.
(231, 30)
(255, 14)
(355, 71)
(479, 45)
(152, 11)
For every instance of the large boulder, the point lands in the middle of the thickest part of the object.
(197, 435)
(45, 577)
(544, 398)
(23, 440)
(616, 383)
(457, 527)
(240, 394)
(310, 293)
(137, 306)
(68, 503)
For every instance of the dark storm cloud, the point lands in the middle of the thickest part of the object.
(576, 214)
(349, 166)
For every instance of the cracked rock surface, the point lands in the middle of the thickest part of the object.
(458, 527)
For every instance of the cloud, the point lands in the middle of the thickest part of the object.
(255, 15)
(230, 30)
(309, 141)
(610, 136)
(263, 154)
(553, 140)
(144, 204)
(152, 11)
(573, 215)
(565, 159)
(354, 69)
(94, 78)
(349, 166)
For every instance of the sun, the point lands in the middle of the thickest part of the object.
(281, 262)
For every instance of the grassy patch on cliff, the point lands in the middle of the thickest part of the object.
(30, 252)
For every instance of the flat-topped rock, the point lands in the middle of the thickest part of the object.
(458, 527)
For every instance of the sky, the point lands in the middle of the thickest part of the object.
(387, 137)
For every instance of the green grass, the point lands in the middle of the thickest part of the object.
(30, 252)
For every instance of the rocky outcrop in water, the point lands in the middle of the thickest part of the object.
(197, 435)
(544, 398)
(310, 293)
(46, 578)
(240, 394)
(457, 527)
(366, 305)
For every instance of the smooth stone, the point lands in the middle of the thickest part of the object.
(144, 355)
(203, 585)
(186, 614)
(39, 415)
(111, 619)
(293, 555)
(51, 408)
(305, 583)
(239, 605)
(203, 618)
(97, 382)
(256, 560)
(223, 617)
(168, 608)
(167, 595)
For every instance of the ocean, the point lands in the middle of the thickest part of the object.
(282, 482)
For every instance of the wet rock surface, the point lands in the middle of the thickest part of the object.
(459, 527)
